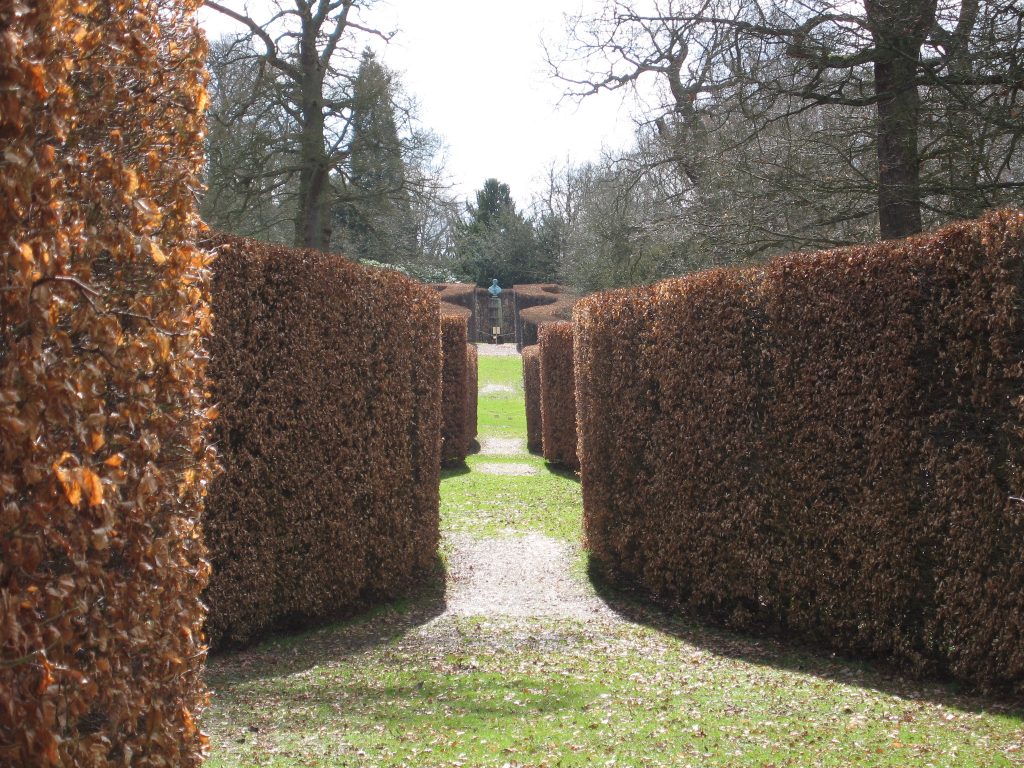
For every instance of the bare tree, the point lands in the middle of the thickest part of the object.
(249, 178)
(899, 58)
(303, 44)
(616, 225)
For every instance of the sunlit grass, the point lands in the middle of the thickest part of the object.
(501, 414)
(570, 694)
(482, 505)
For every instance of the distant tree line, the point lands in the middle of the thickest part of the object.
(313, 142)
(778, 125)
(789, 124)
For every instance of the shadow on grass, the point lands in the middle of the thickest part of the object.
(454, 470)
(636, 605)
(561, 471)
(287, 653)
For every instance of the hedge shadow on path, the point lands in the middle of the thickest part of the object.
(635, 605)
(289, 653)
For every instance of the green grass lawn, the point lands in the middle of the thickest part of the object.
(389, 689)
(502, 414)
(543, 693)
(490, 505)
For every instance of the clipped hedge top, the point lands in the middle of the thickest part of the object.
(456, 293)
(454, 310)
(457, 299)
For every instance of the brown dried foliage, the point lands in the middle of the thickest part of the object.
(460, 299)
(531, 390)
(539, 304)
(329, 431)
(829, 447)
(558, 394)
(103, 458)
(458, 401)
(472, 384)
(459, 294)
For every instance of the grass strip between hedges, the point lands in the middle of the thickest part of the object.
(488, 505)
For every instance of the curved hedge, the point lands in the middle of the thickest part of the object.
(103, 458)
(531, 390)
(829, 446)
(538, 304)
(329, 434)
(558, 394)
(458, 411)
(461, 299)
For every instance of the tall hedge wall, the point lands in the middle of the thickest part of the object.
(103, 305)
(329, 432)
(458, 410)
(531, 389)
(558, 394)
(830, 446)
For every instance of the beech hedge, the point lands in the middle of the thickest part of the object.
(538, 304)
(103, 456)
(458, 430)
(558, 394)
(829, 446)
(472, 387)
(531, 389)
(329, 433)
(462, 299)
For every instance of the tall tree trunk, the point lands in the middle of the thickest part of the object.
(899, 28)
(964, 150)
(312, 221)
(899, 184)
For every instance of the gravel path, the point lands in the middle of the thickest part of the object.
(502, 446)
(518, 576)
(513, 470)
(497, 389)
(523, 576)
(497, 350)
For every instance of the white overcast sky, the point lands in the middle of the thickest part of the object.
(477, 70)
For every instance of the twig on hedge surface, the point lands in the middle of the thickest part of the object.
(91, 292)
(66, 279)
(12, 663)
(150, 320)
